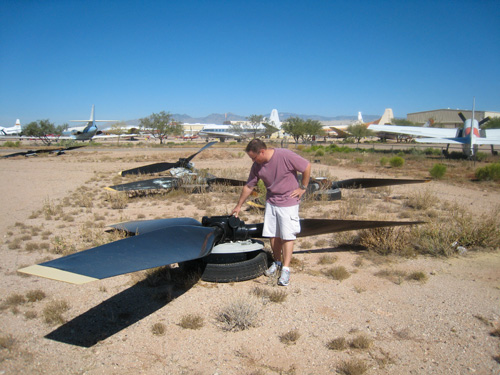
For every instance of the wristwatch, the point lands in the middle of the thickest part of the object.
(302, 186)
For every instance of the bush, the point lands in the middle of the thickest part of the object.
(383, 161)
(489, 172)
(396, 161)
(437, 171)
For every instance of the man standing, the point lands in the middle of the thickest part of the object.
(277, 168)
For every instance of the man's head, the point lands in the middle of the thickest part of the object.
(255, 150)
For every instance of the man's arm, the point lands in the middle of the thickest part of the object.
(306, 175)
(245, 193)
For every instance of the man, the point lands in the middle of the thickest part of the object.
(277, 168)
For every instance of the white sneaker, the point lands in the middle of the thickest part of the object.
(284, 278)
(271, 271)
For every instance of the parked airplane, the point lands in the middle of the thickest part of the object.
(87, 132)
(223, 132)
(342, 132)
(470, 136)
(13, 130)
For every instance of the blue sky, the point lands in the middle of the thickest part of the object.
(133, 58)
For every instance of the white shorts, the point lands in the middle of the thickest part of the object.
(281, 222)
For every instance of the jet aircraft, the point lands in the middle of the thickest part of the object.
(223, 132)
(470, 136)
(13, 130)
(87, 132)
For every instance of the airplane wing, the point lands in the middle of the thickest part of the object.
(416, 131)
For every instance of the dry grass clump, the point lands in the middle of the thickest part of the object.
(191, 321)
(7, 342)
(338, 343)
(238, 315)
(417, 276)
(421, 200)
(35, 295)
(327, 259)
(276, 296)
(360, 342)
(12, 302)
(337, 273)
(353, 367)
(53, 312)
(290, 337)
(384, 241)
(396, 276)
(158, 329)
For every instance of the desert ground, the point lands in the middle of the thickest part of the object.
(378, 320)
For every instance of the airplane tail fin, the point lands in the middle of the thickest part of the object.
(274, 119)
(386, 117)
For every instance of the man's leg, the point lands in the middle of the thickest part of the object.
(276, 246)
(287, 246)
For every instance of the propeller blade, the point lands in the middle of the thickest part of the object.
(357, 183)
(161, 167)
(149, 169)
(313, 227)
(145, 226)
(154, 249)
(200, 150)
(462, 117)
(486, 119)
(152, 184)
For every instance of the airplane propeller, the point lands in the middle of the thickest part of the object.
(155, 243)
(57, 151)
(161, 167)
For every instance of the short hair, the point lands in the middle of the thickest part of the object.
(255, 145)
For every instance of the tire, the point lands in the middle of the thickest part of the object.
(253, 266)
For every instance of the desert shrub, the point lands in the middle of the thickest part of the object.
(319, 152)
(277, 296)
(490, 172)
(353, 367)
(238, 315)
(360, 342)
(337, 273)
(338, 343)
(290, 337)
(383, 161)
(53, 312)
(421, 199)
(327, 259)
(396, 161)
(438, 171)
(191, 321)
(35, 295)
(417, 276)
(158, 329)
(384, 241)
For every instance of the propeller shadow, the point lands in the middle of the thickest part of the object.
(123, 309)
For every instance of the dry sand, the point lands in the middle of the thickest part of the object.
(442, 326)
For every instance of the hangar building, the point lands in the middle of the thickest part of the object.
(448, 118)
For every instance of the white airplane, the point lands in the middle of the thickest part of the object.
(13, 130)
(342, 132)
(87, 132)
(470, 136)
(223, 132)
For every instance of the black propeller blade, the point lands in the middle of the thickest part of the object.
(486, 119)
(462, 117)
(57, 151)
(152, 184)
(149, 250)
(161, 167)
(357, 183)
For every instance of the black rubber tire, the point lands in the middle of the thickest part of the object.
(254, 266)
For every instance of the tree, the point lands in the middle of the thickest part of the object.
(359, 131)
(44, 130)
(312, 128)
(118, 128)
(255, 121)
(161, 125)
(493, 123)
(270, 130)
(295, 127)
(302, 129)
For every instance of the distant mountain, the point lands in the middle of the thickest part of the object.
(219, 118)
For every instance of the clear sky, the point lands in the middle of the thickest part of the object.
(133, 58)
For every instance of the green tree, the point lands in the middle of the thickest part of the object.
(359, 131)
(493, 123)
(161, 125)
(255, 121)
(269, 129)
(312, 128)
(44, 130)
(295, 127)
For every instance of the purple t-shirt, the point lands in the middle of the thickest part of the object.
(280, 176)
